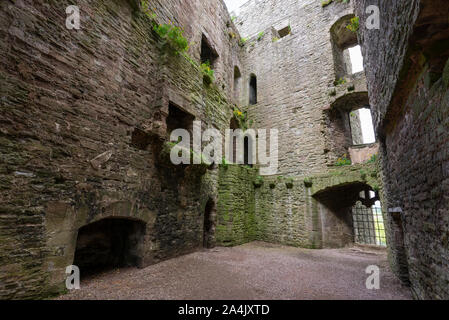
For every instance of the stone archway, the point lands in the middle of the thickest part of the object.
(110, 243)
(336, 206)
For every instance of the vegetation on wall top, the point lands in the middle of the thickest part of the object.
(343, 161)
(208, 73)
(325, 3)
(339, 81)
(242, 119)
(354, 25)
(172, 34)
(242, 42)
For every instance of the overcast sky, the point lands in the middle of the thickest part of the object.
(233, 5)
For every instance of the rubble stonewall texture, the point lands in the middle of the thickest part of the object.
(86, 115)
(407, 69)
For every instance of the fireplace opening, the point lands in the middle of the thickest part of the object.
(108, 244)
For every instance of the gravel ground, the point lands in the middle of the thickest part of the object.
(253, 271)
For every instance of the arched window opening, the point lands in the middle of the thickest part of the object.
(348, 58)
(237, 82)
(253, 90)
(248, 151)
(109, 243)
(233, 141)
(351, 213)
(210, 213)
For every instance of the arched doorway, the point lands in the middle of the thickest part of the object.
(109, 243)
(350, 213)
(209, 224)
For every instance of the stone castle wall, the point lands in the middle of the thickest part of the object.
(82, 123)
(294, 77)
(408, 79)
(296, 94)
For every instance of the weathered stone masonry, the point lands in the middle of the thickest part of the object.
(297, 94)
(407, 70)
(85, 117)
(82, 127)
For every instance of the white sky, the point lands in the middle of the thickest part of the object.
(367, 126)
(366, 120)
(356, 59)
(233, 5)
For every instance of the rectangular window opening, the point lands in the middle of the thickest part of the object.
(356, 58)
(208, 54)
(179, 119)
(284, 31)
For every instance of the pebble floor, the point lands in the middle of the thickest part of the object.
(252, 271)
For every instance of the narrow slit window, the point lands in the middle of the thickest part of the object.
(253, 90)
(237, 81)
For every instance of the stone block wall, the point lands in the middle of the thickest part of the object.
(296, 94)
(236, 222)
(82, 124)
(295, 75)
(84, 129)
(407, 70)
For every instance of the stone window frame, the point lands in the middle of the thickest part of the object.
(213, 56)
(339, 122)
(342, 40)
(281, 30)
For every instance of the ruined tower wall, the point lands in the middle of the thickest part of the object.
(83, 125)
(408, 78)
(295, 94)
(294, 76)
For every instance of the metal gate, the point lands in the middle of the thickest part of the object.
(368, 225)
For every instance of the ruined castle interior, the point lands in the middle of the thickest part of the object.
(362, 115)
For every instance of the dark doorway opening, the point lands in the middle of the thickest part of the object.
(209, 224)
(398, 248)
(109, 243)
